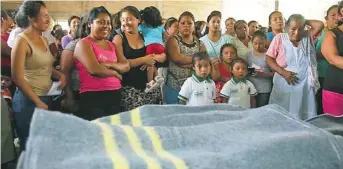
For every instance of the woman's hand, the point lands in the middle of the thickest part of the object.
(290, 77)
(149, 60)
(42, 105)
(118, 75)
(62, 80)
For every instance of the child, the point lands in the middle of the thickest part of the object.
(262, 79)
(238, 90)
(199, 89)
(228, 52)
(6, 83)
(153, 33)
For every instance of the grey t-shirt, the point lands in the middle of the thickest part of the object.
(262, 85)
(74, 78)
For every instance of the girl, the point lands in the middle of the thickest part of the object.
(276, 25)
(153, 34)
(292, 56)
(262, 79)
(222, 71)
(332, 50)
(239, 91)
(200, 88)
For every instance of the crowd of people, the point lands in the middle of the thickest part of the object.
(111, 63)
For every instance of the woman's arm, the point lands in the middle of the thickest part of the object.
(122, 65)
(330, 52)
(20, 50)
(146, 60)
(316, 27)
(173, 51)
(67, 62)
(290, 77)
(85, 55)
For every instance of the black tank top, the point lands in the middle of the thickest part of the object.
(334, 80)
(135, 77)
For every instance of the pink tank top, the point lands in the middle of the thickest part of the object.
(90, 83)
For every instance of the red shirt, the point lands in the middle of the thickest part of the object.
(220, 84)
(5, 61)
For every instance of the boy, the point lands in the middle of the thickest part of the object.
(199, 89)
(6, 83)
(238, 90)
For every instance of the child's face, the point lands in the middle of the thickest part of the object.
(202, 68)
(6, 82)
(240, 70)
(229, 54)
(259, 44)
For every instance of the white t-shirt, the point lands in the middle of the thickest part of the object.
(238, 92)
(196, 91)
(15, 32)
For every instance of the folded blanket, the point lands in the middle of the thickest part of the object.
(181, 137)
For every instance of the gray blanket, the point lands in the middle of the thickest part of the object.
(180, 137)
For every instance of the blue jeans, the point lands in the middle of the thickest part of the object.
(23, 109)
(171, 95)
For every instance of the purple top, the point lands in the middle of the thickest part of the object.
(65, 40)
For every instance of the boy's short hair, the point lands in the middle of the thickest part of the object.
(239, 60)
(200, 56)
(6, 71)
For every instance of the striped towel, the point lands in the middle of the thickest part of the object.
(181, 137)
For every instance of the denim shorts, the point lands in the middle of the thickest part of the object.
(23, 109)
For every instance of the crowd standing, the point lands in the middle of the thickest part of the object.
(109, 63)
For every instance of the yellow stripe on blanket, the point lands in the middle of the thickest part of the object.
(115, 119)
(118, 160)
(136, 145)
(158, 148)
(136, 118)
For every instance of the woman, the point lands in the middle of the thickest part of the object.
(229, 24)
(332, 50)
(200, 27)
(32, 67)
(331, 22)
(171, 27)
(100, 68)
(214, 40)
(292, 56)
(242, 41)
(276, 25)
(130, 44)
(73, 21)
(253, 27)
(180, 50)
(69, 69)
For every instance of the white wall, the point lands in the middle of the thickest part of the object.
(310, 9)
